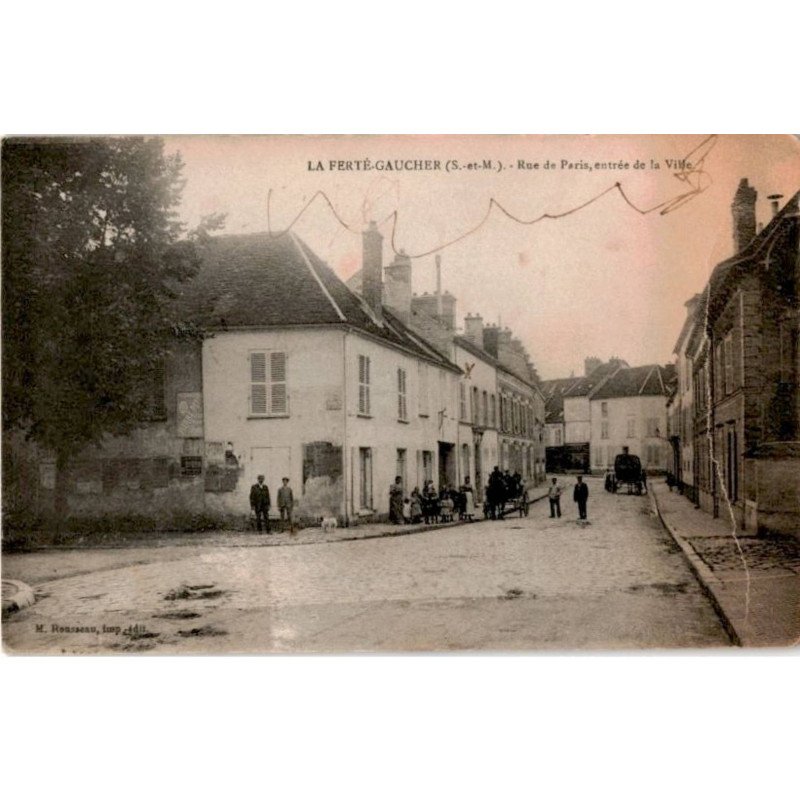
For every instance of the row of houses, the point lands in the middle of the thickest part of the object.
(734, 414)
(339, 388)
(590, 419)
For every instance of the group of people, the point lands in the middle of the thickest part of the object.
(580, 495)
(429, 505)
(260, 505)
(502, 487)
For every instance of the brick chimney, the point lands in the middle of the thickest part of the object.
(590, 364)
(491, 335)
(473, 329)
(372, 269)
(744, 215)
(397, 288)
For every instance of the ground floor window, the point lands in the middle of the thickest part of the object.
(427, 465)
(365, 477)
(732, 466)
(400, 467)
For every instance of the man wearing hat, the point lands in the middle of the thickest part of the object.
(259, 502)
(286, 504)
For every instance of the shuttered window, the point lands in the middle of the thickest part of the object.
(269, 396)
(363, 385)
(728, 344)
(402, 398)
(424, 407)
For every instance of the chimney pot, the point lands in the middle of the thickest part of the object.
(775, 203)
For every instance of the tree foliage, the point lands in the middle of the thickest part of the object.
(92, 254)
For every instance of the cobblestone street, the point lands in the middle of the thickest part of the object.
(532, 583)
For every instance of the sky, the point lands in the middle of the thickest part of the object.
(605, 280)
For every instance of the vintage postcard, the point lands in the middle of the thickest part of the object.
(298, 394)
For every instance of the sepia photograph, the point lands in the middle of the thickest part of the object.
(400, 394)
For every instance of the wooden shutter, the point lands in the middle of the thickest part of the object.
(728, 364)
(402, 409)
(258, 383)
(278, 396)
(363, 385)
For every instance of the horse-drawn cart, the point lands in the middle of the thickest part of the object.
(627, 472)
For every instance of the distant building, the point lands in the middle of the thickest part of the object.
(680, 405)
(629, 410)
(610, 407)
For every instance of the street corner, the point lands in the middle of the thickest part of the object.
(16, 596)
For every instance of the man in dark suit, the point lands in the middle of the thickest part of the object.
(259, 502)
(581, 496)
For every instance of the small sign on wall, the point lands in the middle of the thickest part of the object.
(190, 415)
(215, 452)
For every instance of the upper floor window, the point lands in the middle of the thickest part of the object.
(402, 398)
(604, 408)
(631, 428)
(268, 393)
(652, 426)
(424, 407)
(493, 406)
(363, 385)
(728, 356)
(462, 402)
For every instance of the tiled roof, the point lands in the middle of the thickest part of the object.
(727, 272)
(266, 280)
(652, 379)
(471, 347)
(553, 391)
(585, 386)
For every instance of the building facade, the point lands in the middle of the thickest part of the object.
(680, 405)
(747, 422)
(296, 377)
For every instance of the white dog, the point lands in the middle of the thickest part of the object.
(329, 524)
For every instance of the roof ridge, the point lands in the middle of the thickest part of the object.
(604, 381)
(646, 379)
(321, 285)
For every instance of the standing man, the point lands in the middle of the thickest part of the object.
(286, 504)
(259, 502)
(581, 495)
(554, 496)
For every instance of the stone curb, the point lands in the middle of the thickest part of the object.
(704, 575)
(16, 595)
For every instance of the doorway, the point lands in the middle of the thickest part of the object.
(274, 463)
(447, 465)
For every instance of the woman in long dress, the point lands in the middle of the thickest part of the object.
(396, 501)
(469, 499)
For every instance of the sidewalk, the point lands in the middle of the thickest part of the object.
(755, 587)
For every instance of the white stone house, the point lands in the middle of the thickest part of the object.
(304, 379)
(629, 410)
